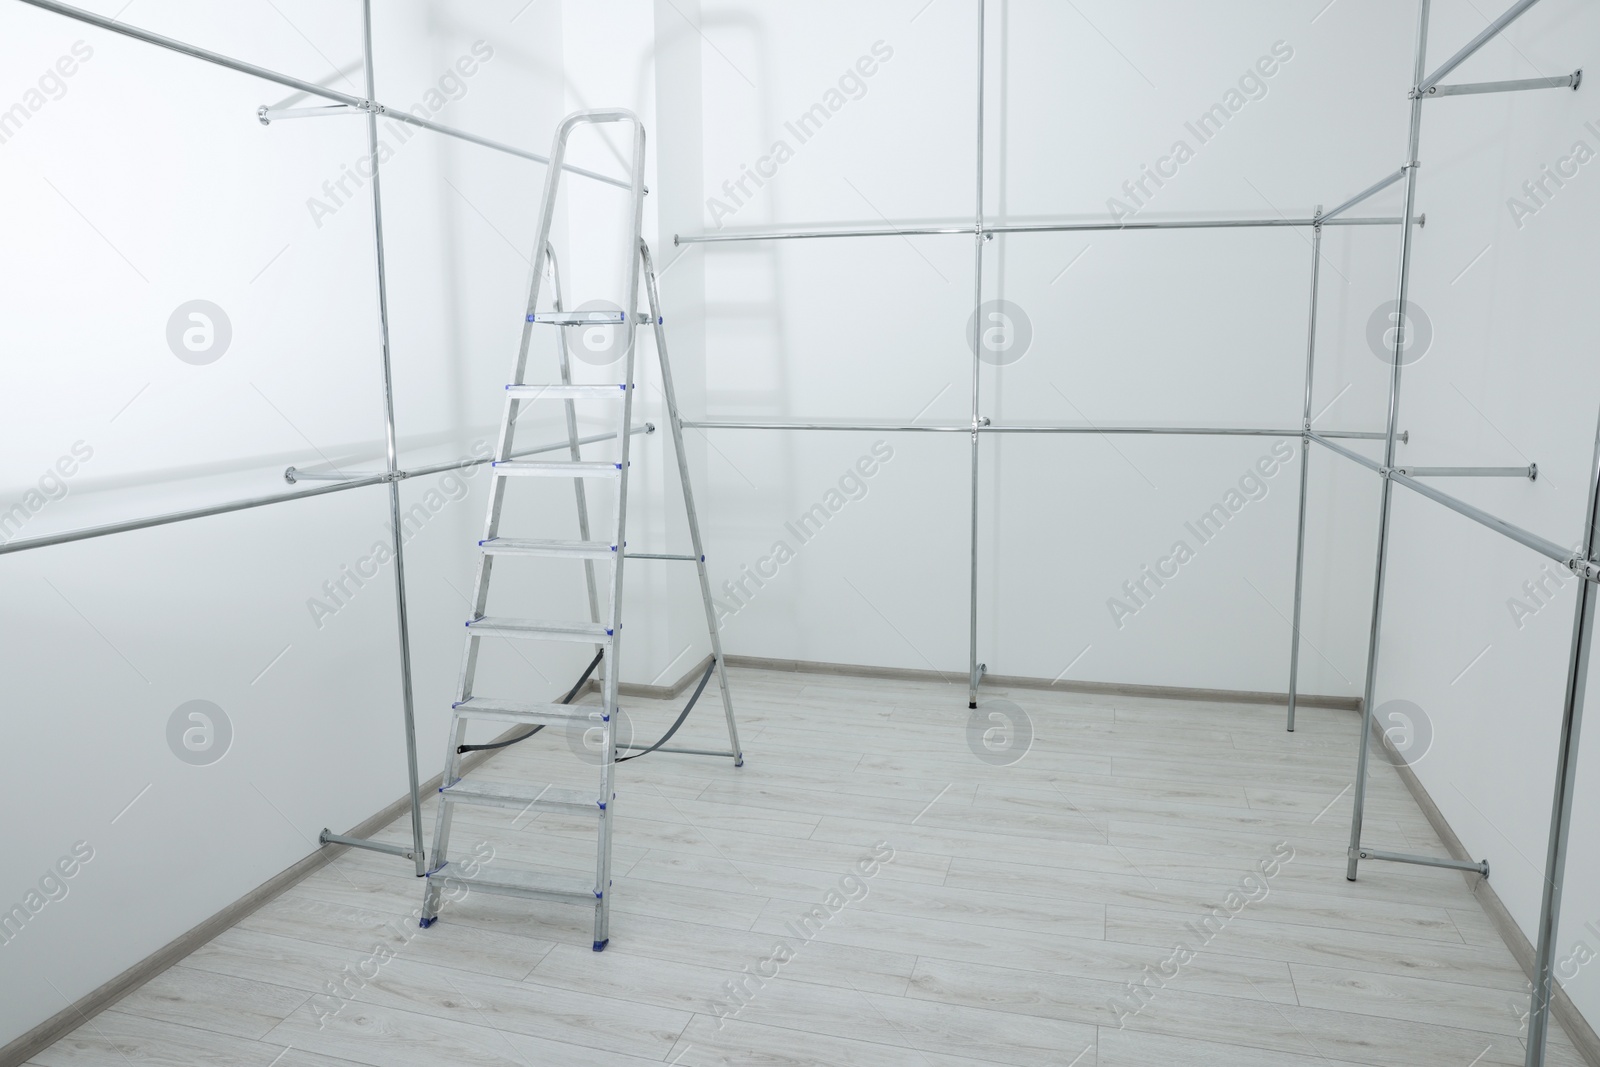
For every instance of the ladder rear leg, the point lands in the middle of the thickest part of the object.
(441, 827)
(647, 265)
(608, 756)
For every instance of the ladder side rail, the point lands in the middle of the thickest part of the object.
(614, 615)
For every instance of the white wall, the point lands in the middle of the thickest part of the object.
(1155, 328)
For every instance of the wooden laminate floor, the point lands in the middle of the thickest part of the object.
(1020, 905)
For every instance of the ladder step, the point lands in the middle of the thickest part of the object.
(493, 709)
(556, 469)
(568, 392)
(522, 797)
(508, 546)
(585, 318)
(591, 633)
(567, 887)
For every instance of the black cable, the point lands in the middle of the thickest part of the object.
(705, 679)
(687, 708)
(571, 695)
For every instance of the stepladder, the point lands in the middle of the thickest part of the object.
(603, 558)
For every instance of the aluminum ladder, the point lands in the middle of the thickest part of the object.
(603, 630)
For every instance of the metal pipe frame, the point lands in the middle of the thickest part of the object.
(1555, 864)
(986, 229)
(1305, 472)
(1489, 33)
(355, 481)
(979, 239)
(1366, 194)
(1386, 493)
(294, 475)
(269, 115)
(1530, 472)
(1583, 564)
(24, 544)
(369, 104)
(328, 837)
(1480, 868)
(1564, 81)
(987, 427)
(1542, 545)
(391, 445)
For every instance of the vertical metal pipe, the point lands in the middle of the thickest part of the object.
(392, 453)
(1555, 863)
(1407, 233)
(977, 328)
(1305, 471)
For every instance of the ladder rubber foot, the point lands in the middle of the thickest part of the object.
(425, 923)
(739, 762)
(972, 704)
(600, 946)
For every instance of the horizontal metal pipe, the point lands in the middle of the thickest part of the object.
(129, 525)
(1530, 472)
(1020, 227)
(295, 474)
(459, 464)
(329, 838)
(802, 235)
(1541, 545)
(1189, 224)
(23, 544)
(1176, 431)
(1371, 464)
(1388, 220)
(310, 88)
(1564, 81)
(1489, 33)
(269, 115)
(1481, 867)
(859, 426)
(1531, 540)
(1370, 191)
(659, 555)
(1404, 436)
(462, 135)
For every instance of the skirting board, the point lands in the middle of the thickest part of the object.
(1003, 681)
(656, 692)
(1561, 1005)
(1017, 681)
(59, 1025)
